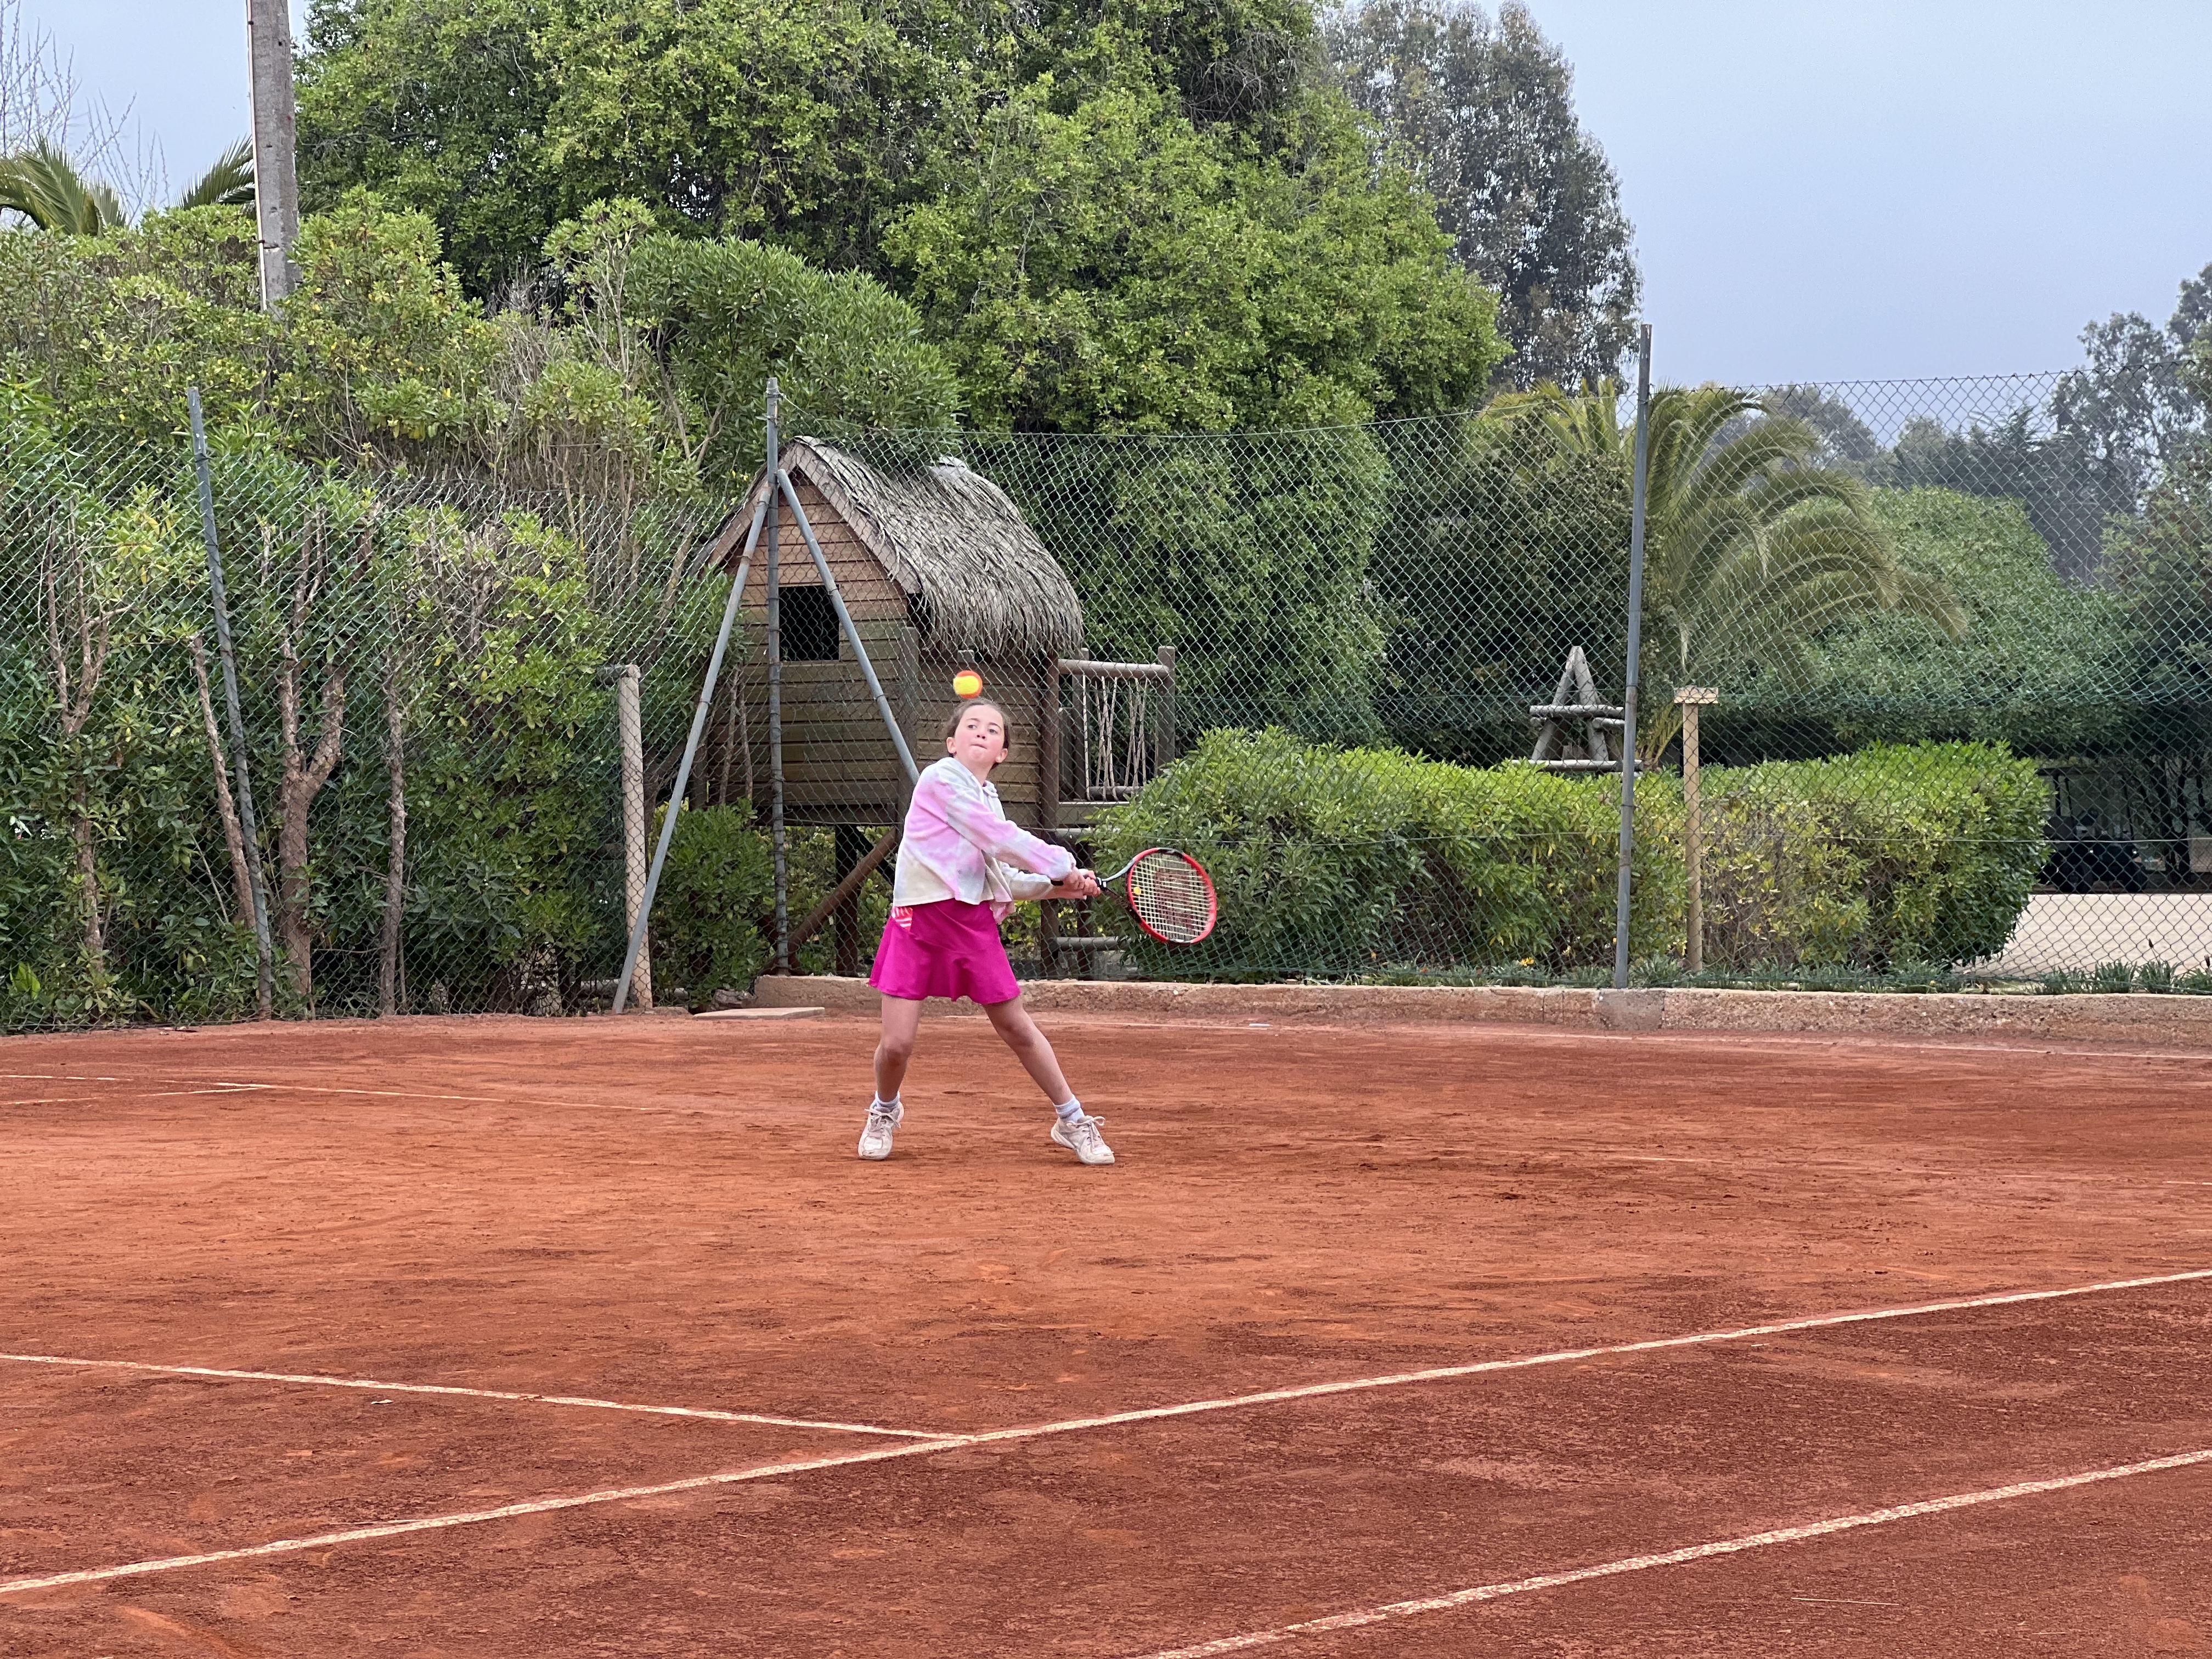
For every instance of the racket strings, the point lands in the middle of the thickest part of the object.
(1172, 897)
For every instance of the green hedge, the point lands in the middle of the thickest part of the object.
(713, 919)
(1896, 854)
(1334, 861)
(1345, 861)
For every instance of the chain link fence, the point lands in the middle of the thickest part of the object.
(1959, 732)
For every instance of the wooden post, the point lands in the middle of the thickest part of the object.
(630, 726)
(1167, 753)
(1691, 697)
(1048, 803)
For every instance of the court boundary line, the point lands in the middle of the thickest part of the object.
(1071, 1425)
(1460, 1598)
(433, 1522)
(319, 1380)
(1187, 1408)
(233, 1087)
(1569, 1356)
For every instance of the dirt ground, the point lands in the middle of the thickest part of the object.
(666, 1214)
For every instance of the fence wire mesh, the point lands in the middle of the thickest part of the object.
(1960, 651)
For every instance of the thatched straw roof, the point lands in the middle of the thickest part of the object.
(949, 538)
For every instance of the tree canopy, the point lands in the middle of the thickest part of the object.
(1132, 216)
(1485, 110)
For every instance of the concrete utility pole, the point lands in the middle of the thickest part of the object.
(276, 169)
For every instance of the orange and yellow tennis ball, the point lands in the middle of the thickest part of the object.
(967, 683)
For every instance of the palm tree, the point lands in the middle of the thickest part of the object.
(1752, 547)
(229, 183)
(44, 186)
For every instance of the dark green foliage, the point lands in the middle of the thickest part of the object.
(718, 888)
(1116, 267)
(1501, 550)
(1347, 862)
(2042, 664)
(1251, 558)
(1487, 109)
(1337, 861)
(2048, 475)
(1134, 217)
(730, 313)
(1895, 854)
(441, 105)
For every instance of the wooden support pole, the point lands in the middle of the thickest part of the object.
(629, 725)
(845, 889)
(1167, 753)
(1691, 697)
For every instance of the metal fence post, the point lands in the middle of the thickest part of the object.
(265, 991)
(776, 838)
(1635, 653)
(699, 713)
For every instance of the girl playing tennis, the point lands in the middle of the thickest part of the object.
(954, 886)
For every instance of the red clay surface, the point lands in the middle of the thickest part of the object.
(663, 1212)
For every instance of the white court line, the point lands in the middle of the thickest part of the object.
(374, 1387)
(1965, 1500)
(956, 1441)
(1190, 1408)
(432, 1522)
(1568, 1356)
(1817, 1166)
(379, 1094)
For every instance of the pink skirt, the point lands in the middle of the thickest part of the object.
(948, 950)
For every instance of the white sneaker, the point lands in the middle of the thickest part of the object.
(1080, 1136)
(883, 1122)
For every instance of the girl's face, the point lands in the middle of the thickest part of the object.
(979, 742)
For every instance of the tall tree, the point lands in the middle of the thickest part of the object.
(1116, 266)
(1486, 110)
(2132, 412)
(1110, 213)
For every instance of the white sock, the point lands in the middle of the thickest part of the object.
(881, 1102)
(1069, 1109)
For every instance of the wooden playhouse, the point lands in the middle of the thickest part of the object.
(939, 571)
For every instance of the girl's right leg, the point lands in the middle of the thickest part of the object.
(902, 1019)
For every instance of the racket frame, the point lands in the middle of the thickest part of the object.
(1118, 885)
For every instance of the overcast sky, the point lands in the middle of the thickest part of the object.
(1847, 190)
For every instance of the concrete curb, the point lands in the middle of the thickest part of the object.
(2181, 1021)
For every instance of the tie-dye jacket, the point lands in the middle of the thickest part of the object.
(958, 844)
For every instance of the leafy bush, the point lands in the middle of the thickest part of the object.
(1341, 860)
(720, 882)
(1895, 860)
(1924, 852)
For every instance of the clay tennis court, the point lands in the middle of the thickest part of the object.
(506, 1337)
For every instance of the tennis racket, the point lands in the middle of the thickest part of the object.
(1167, 892)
